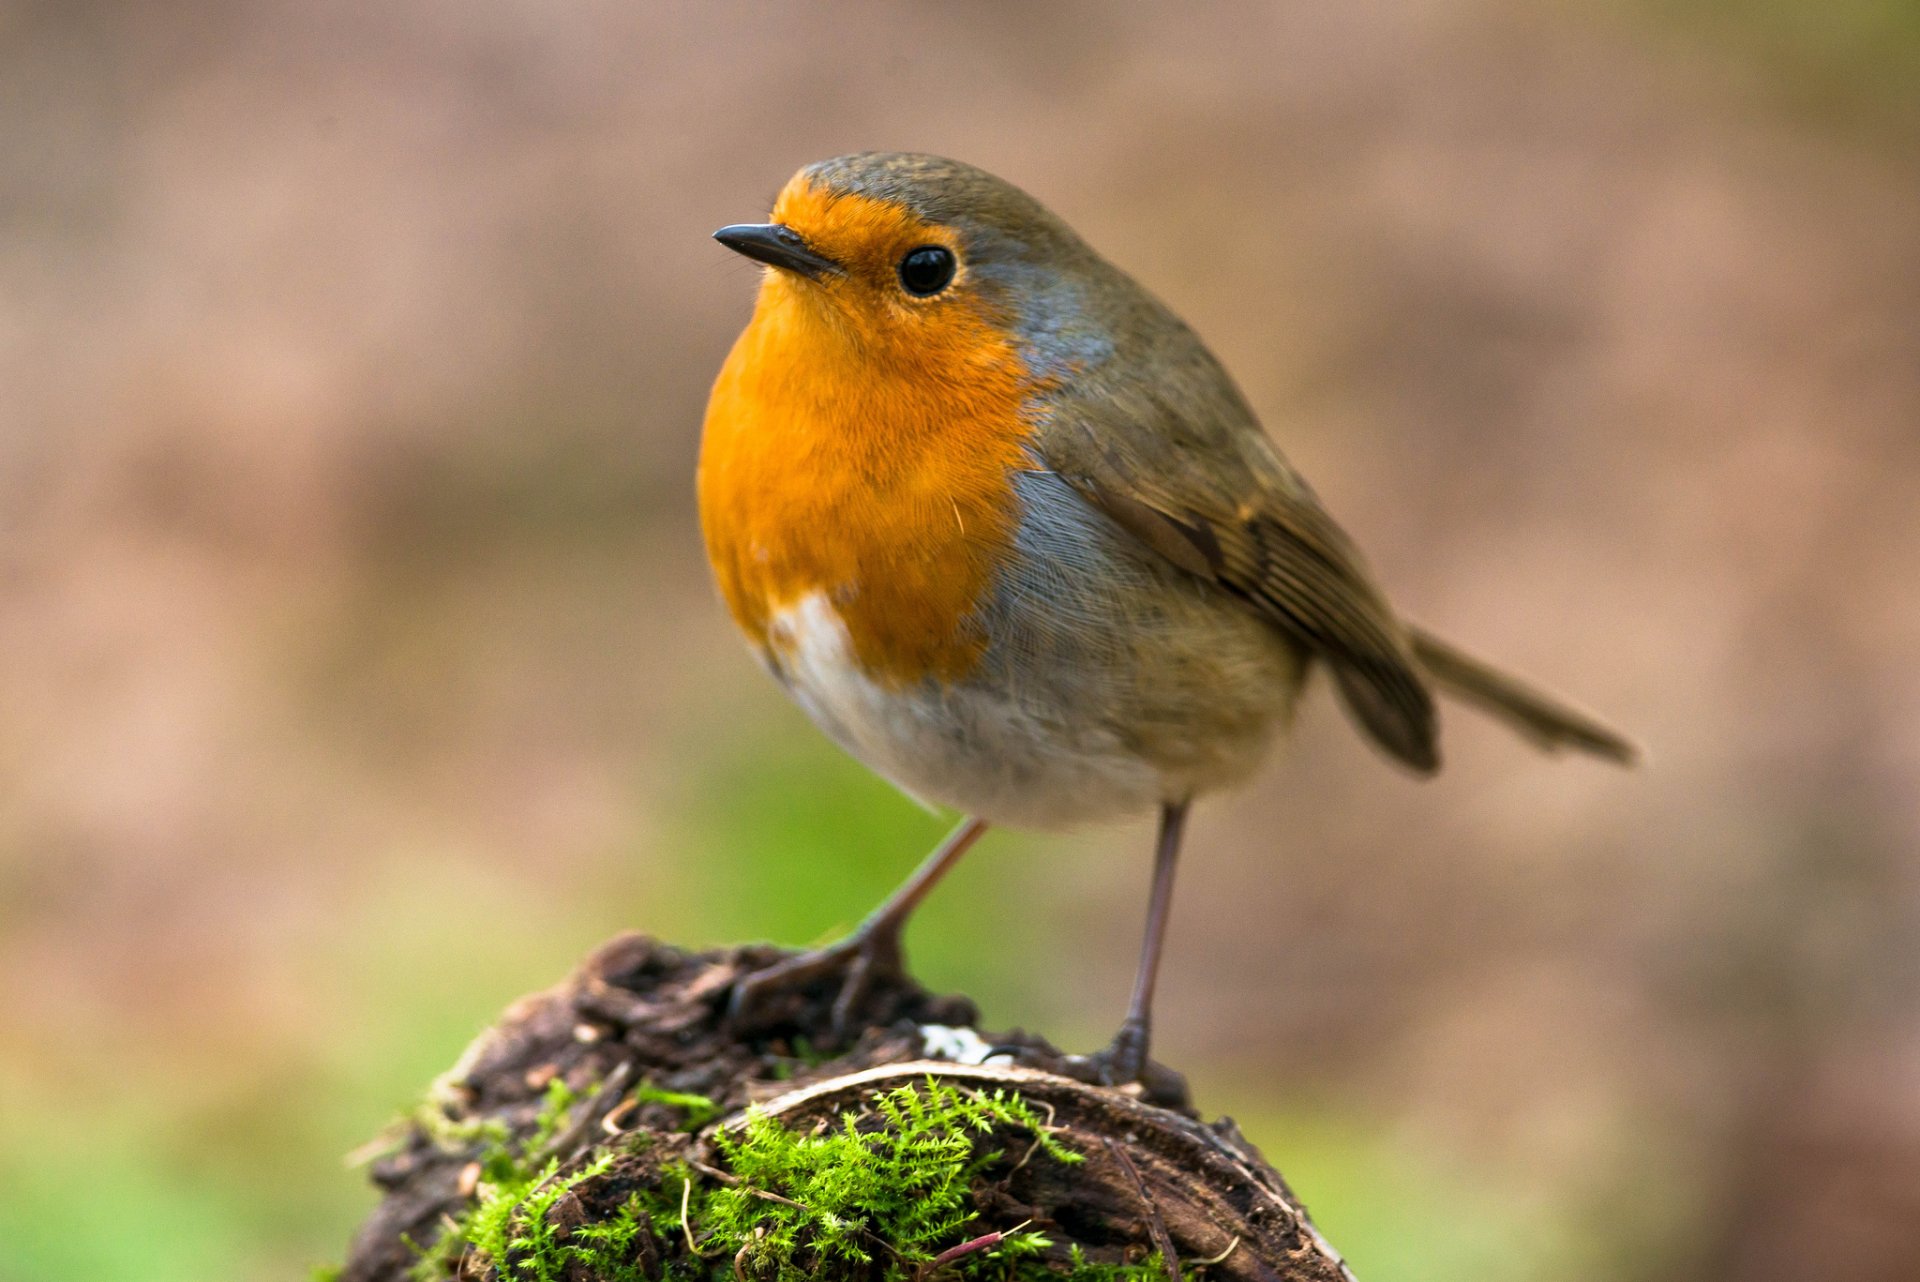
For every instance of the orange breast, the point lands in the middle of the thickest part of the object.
(868, 463)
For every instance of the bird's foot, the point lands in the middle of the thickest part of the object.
(870, 955)
(1124, 1061)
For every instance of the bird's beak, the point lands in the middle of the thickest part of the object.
(777, 245)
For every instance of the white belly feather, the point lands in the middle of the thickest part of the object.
(972, 746)
(1113, 682)
(963, 746)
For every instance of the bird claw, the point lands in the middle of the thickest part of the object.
(1124, 1061)
(863, 959)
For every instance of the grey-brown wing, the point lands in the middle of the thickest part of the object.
(1216, 499)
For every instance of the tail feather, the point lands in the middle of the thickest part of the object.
(1545, 719)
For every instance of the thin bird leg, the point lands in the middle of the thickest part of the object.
(873, 950)
(1126, 1058)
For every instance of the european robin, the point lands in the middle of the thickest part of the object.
(1006, 530)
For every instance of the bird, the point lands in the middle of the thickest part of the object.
(1005, 528)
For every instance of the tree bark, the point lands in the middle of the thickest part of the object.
(1154, 1177)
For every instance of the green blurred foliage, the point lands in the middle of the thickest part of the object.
(1849, 63)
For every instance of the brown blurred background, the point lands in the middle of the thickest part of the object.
(359, 669)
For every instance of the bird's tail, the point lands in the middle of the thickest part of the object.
(1548, 721)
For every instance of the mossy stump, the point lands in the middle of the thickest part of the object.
(618, 1128)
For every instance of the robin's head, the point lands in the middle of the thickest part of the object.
(899, 249)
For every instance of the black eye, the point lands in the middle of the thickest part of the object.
(926, 270)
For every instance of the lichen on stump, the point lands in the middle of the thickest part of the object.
(618, 1128)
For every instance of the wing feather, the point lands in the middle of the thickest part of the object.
(1243, 521)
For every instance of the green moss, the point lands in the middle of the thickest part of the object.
(1150, 1269)
(901, 1190)
(508, 1220)
(804, 1055)
(884, 1194)
(556, 1110)
(610, 1246)
(451, 1136)
(696, 1110)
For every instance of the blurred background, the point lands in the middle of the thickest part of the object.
(359, 669)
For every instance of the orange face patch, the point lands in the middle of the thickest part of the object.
(860, 443)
